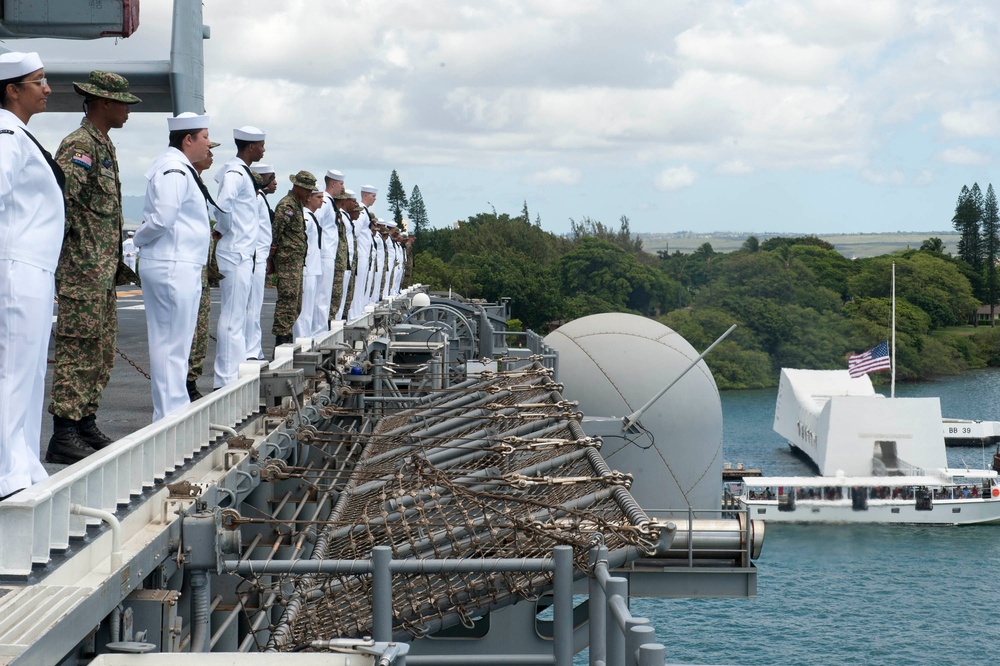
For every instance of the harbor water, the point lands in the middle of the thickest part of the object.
(849, 594)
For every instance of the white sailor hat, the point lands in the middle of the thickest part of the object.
(262, 168)
(249, 133)
(350, 194)
(389, 223)
(14, 64)
(368, 189)
(333, 174)
(187, 121)
(404, 234)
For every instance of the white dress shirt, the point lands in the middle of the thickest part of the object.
(32, 216)
(175, 215)
(237, 200)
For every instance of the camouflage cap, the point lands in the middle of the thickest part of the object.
(304, 179)
(108, 86)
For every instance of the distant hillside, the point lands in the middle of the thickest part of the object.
(850, 245)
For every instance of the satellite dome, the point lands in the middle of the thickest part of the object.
(420, 300)
(612, 364)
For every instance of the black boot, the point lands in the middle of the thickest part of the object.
(282, 340)
(66, 447)
(91, 434)
(193, 391)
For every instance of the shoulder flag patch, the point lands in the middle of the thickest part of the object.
(180, 171)
(289, 213)
(83, 160)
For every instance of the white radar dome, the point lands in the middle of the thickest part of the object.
(420, 300)
(612, 364)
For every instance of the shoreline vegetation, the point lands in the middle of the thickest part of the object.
(798, 302)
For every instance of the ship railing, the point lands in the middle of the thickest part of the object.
(48, 514)
(617, 638)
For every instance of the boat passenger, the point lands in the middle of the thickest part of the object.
(32, 219)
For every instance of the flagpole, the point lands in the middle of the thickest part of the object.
(892, 393)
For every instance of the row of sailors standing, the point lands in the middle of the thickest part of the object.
(79, 192)
(352, 257)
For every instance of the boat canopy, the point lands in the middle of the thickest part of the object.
(866, 481)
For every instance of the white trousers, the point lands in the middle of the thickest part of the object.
(304, 326)
(26, 294)
(375, 286)
(324, 292)
(343, 296)
(255, 305)
(171, 291)
(231, 346)
(362, 285)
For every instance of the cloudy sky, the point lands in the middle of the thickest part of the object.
(812, 116)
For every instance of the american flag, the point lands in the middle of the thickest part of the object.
(873, 360)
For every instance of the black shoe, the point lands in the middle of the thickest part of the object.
(91, 434)
(66, 446)
(282, 340)
(193, 391)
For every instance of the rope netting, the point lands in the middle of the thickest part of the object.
(502, 470)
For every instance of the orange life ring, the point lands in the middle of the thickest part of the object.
(995, 492)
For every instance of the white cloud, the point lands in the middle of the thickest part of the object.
(965, 156)
(557, 176)
(979, 119)
(675, 178)
(734, 168)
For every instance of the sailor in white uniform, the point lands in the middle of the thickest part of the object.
(392, 259)
(352, 247)
(32, 219)
(304, 326)
(378, 264)
(236, 231)
(327, 216)
(364, 256)
(265, 216)
(174, 238)
(128, 250)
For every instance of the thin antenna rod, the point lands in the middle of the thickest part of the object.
(634, 417)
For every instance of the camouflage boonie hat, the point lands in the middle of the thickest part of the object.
(108, 86)
(304, 179)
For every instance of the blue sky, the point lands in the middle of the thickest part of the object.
(812, 116)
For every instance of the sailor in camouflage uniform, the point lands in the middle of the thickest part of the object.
(90, 265)
(288, 249)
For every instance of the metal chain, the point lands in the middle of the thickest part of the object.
(132, 363)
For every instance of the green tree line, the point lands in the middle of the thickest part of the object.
(797, 302)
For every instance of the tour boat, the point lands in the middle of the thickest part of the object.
(942, 497)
